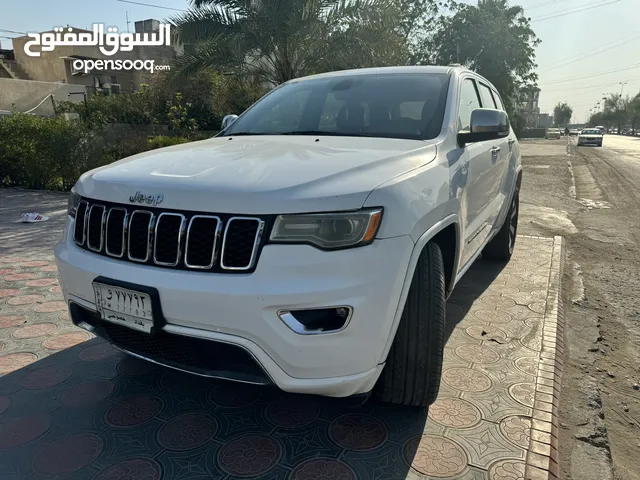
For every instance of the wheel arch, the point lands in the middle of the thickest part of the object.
(443, 232)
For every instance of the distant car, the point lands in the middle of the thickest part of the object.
(553, 134)
(590, 136)
(574, 131)
(602, 129)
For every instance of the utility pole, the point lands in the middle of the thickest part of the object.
(622, 87)
(128, 22)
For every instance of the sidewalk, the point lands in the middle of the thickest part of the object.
(72, 406)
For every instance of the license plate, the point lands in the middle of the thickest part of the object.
(124, 307)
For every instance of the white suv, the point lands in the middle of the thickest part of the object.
(312, 244)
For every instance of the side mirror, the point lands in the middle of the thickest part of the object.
(228, 120)
(486, 124)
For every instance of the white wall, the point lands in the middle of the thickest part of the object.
(26, 94)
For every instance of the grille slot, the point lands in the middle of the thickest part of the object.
(95, 230)
(115, 232)
(79, 228)
(239, 244)
(168, 237)
(219, 243)
(202, 239)
(140, 228)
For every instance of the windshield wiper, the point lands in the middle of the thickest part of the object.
(323, 133)
(246, 134)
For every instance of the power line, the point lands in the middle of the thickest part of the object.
(12, 31)
(573, 79)
(563, 63)
(571, 12)
(152, 5)
(543, 4)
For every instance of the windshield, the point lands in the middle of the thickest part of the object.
(591, 132)
(389, 105)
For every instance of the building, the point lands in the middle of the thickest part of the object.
(57, 65)
(529, 109)
(26, 80)
(545, 120)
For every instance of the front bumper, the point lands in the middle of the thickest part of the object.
(242, 310)
(589, 141)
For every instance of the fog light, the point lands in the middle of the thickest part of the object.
(317, 320)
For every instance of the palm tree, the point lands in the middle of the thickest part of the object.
(278, 40)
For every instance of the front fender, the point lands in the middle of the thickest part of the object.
(427, 236)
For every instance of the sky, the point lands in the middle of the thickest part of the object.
(588, 46)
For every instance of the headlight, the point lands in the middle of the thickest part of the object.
(74, 200)
(328, 230)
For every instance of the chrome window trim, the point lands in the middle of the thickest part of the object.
(149, 232)
(88, 226)
(216, 237)
(256, 241)
(124, 232)
(181, 230)
(84, 223)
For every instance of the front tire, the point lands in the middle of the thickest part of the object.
(411, 376)
(501, 246)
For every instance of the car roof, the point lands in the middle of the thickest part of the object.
(385, 70)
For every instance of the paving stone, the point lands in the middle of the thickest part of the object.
(72, 406)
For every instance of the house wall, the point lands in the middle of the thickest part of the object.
(51, 67)
(26, 94)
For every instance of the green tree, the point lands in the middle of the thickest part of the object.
(494, 39)
(277, 40)
(634, 113)
(616, 110)
(562, 114)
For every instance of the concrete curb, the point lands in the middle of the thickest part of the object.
(542, 457)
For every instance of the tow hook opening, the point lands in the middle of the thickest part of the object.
(315, 321)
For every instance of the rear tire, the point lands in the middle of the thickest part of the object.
(502, 245)
(413, 369)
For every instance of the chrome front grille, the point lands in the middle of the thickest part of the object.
(184, 240)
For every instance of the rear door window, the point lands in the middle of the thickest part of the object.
(487, 97)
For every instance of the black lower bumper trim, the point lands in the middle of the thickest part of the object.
(201, 357)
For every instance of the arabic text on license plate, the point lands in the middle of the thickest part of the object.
(123, 306)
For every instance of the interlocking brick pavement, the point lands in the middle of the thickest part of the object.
(71, 407)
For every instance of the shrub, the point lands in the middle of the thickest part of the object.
(161, 142)
(184, 104)
(40, 152)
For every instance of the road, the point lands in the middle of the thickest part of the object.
(591, 197)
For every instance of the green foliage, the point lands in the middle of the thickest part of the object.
(161, 142)
(184, 104)
(275, 41)
(618, 112)
(52, 153)
(39, 152)
(494, 39)
(562, 114)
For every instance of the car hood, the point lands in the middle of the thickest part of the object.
(259, 174)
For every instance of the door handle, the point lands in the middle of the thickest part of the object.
(512, 141)
(495, 150)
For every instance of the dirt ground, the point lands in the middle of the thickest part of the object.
(591, 197)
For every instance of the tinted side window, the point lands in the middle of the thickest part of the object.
(498, 101)
(487, 98)
(468, 103)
